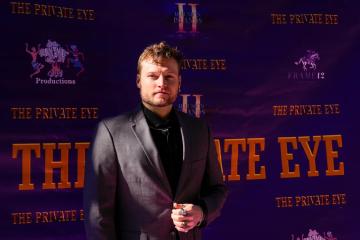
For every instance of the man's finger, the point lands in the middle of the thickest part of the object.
(183, 211)
(180, 212)
(181, 218)
(181, 229)
(179, 205)
(186, 225)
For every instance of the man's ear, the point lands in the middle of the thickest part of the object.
(138, 80)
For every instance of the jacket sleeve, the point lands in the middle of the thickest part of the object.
(100, 187)
(213, 190)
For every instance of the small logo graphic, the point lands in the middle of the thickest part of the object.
(34, 52)
(314, 235)
(54, 55)
(308, 64)
(48, 63)
(187, 14)
(309, 59)
(76, 59)
(195, 109)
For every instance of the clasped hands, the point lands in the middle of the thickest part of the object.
(186, 216)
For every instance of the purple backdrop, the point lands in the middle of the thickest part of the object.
(253, 69)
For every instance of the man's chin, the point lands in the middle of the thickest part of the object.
(160, 104)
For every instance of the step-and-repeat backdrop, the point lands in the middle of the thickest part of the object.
(276, 80)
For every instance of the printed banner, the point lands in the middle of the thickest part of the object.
(275, 80)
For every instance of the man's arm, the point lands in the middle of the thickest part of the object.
(186, 216)
(100, 187)
(213, 189)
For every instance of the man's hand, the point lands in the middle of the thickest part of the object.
(186, 216)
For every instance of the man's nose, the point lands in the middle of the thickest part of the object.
(162, 81)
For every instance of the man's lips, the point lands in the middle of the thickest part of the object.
(162, 93)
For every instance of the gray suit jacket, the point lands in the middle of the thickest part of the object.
(127, 195)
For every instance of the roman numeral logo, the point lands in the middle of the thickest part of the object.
(183, 17)
(194, 109)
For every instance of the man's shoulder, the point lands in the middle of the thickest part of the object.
(116, 122)
(118, 118)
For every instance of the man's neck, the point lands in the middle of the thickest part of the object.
(162, 112)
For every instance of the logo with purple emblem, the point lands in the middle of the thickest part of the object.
(53, 63)
(314, 235)
(308, 64)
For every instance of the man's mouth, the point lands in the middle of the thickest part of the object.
(162, 93)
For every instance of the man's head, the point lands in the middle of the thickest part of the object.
(158, 75)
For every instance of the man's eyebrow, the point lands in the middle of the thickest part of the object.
(170, 72)
(153, 72)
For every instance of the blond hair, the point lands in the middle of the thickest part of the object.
(157, 51)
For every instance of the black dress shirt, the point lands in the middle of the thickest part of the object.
(167, 137)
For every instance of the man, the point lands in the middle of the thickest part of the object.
(153, 173)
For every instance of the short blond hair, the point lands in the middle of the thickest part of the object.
(158, 51)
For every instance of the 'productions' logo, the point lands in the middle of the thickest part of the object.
(314, 235)
(52, 63)
(195, 109)
(187, 17)
(308, 65)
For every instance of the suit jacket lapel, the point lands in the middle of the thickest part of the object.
(142, 133)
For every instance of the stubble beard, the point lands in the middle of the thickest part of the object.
(169, 102)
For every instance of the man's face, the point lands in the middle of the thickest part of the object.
(159, 83)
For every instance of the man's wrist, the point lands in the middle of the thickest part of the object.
(202, 204)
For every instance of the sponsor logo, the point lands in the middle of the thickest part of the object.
(314, 235)
(55, 64)
(309, 67)
(187, 17)
(308, 60)
(191, 104)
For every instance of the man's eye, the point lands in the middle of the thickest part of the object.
(153, 77)
(169, 78)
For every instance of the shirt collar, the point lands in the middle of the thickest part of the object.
(155, 121)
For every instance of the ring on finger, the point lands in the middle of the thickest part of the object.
(183, 212)
(183, 224)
